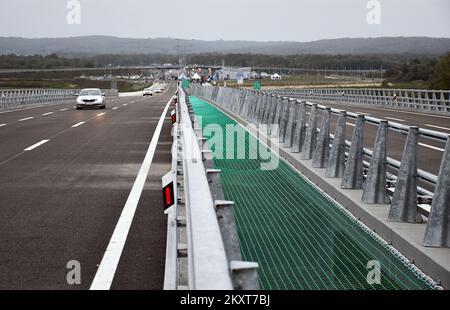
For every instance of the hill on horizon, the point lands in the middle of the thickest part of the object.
(95, 45)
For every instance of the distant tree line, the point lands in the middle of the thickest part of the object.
(309, 61)
(402, 68)
(435, 72)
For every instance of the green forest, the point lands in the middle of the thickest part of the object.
(401, 69)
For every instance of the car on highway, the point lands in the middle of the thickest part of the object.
(157, 91)
(147, 92)
(90, 98)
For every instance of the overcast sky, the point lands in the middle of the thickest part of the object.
(258, 20)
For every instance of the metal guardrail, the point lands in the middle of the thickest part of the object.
(429, 101)
(17, 98)
(345, 159)
(214, 260)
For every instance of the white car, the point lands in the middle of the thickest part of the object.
(157, 91)
(91, 97)
(147, 92)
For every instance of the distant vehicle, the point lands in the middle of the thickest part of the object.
(91, 97)
(157, 91)
(147, 92)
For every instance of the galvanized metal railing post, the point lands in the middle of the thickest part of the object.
(300, 129)
(289, 136)
(404, 201)
(311, 135)
(353, 174)
(322, 151)
(374, 189)
(336, 162)
(284, 120)
(437, 233)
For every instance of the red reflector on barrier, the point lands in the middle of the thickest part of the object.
(168, 196)
(173, 116)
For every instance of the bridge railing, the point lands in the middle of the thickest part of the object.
(429, 101)
(346, 159)
(18, 98)
(202, 215)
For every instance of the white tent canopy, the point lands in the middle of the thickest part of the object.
(275, 76)
(196, 76)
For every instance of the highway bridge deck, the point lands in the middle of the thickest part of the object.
(61, 199)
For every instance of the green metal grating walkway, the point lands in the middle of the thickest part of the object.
(300, 238)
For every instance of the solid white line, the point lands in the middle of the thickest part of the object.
(25, 119)
(395, 119)
(78, 124)
(36, 145)
(1, 125)
(350, 124)
(439, 127)
(48, 113)
(431, 147)
(115, 108)
(101, 114)
(105, 272)
(65, 109)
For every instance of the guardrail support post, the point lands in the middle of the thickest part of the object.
(293, 111)
(404, 200)
(244, 275)
(336, 163)
(311, 134)
(437, 233)
(300, 129)
(353, 174)
(284, 120)
(278, 111)
(272, 113)
(227, 224)
(374, 189)
(215, 184)
(322, 151)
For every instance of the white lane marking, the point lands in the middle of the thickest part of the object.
(48, 113)
(350, 124)
(36, 145)
(363, 113)
(125, 104)
(439, 127)
(107, 268)
(100, 114)
(25, 119)
(115, 108)
(1, 125)
(78, 124)
(395, 119)
(432, 147)
(65, 109)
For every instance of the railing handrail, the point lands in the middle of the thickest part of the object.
(422, 100)
(207, 262)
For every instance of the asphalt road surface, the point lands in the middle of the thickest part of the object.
(65, 176)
